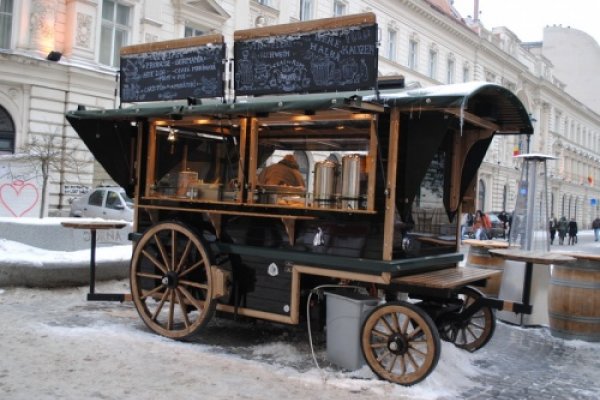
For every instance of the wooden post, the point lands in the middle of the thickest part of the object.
(390, 186)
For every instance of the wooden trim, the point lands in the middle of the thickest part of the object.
(172, 44)
(448, 278)
(371, 166)
(248, 312)
(474, 119)
(252, 160)
(384, 278)
(151, 159)
(242, 159)
(390, 201)
(306, 26)
(224, 212)
(138, 173)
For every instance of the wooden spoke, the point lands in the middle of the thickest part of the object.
(186, 320)
(394, 356)
(194, 284)
(160, 305)
(191, 299)
(157, 264)
(160, 259)
(186, 252)
(192, 268)
(163, 252)
(151, 292)
(148, 275)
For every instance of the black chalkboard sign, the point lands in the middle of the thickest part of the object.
(172, 70)
(335, 59)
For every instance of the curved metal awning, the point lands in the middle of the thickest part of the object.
(482, 104)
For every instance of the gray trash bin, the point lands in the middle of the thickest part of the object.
(346, 312)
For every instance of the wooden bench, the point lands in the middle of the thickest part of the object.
(446, 278)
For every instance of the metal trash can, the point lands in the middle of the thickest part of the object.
(346, 312)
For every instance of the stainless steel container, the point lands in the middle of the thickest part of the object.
(324, 186)
(351, 176)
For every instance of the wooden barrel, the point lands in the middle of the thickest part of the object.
(479, 257)
(574, 299)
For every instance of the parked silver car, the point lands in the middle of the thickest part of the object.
(108, 202)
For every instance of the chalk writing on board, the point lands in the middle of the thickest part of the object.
(173, 74)
(336, 59)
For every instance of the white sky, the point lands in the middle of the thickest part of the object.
(527, 18)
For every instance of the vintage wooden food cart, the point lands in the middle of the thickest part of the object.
(385, 169)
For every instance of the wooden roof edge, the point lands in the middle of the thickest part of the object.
(173, 44)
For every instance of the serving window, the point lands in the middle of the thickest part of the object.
(324, 161)
(195, 160)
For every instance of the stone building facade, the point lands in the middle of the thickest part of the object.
(58, 54)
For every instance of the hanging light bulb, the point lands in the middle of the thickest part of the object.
(172, 135)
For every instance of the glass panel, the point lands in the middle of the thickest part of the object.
(6, 144)
(108, 10)
(299, 164)
(6, 6)
(188, 32)
(95, 198)
(123, 15)
(197, 162)
(106, 45)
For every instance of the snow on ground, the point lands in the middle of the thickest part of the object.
(56, 345)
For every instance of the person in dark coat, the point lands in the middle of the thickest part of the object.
(284, 173)
(563, 225)
(572, 231)
(596, 228)
(552, 225)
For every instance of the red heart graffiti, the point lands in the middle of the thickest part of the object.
(18, 197)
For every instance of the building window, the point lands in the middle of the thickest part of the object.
(115, 31)
(265, 2)
(450, 70)
(481, 195)
(6, 10)
(432, 63)
(413, 48)
(339, 8)
(392, 44)
(306, 10)
(7, 133)
(466, 73)
(189, 32)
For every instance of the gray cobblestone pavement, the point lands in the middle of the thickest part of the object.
(529, 363)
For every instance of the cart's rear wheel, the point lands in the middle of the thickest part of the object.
(400, 343)
(475, 332)
(171, 281)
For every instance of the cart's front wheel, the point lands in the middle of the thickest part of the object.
(171, 281)
(400, 343)
(473, 333)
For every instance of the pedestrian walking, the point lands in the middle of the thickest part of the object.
(562, 229)
(481, 225)
(596, 228)
(552, 225)
(572, 232)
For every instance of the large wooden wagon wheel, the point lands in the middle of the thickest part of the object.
(473, 333)
(400, 343)
(171, 281)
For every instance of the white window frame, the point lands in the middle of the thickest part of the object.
(115, 26)
(392, 43)
(306, 10)
(450, 69)
(413, 51)
(340, 8)
(432, 63)
(6, 43)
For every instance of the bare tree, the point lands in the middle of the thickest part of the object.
(52, 153)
